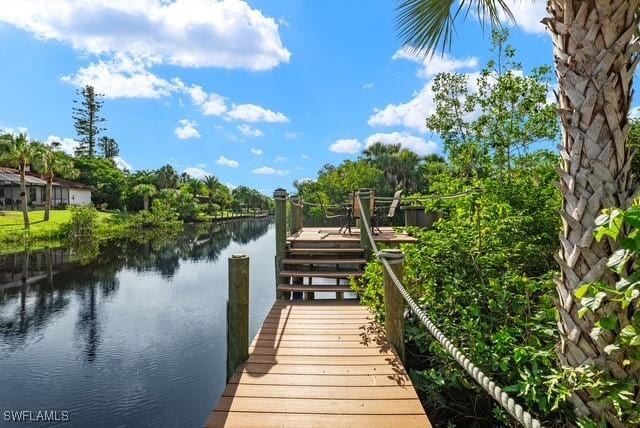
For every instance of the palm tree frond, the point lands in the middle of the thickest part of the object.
(424, 25)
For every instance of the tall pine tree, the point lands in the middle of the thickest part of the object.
(86, 118)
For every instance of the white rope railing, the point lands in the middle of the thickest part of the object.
(508, 403)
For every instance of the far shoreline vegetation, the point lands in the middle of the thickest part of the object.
(122, 202)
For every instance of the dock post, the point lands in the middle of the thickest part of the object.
(237, 313)
(280, 197)
(294, 227)
(296, 215)
(393, 300)
(365, 197)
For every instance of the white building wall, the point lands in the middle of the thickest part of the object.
(79, 196)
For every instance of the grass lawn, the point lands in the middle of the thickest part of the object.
(12, 226)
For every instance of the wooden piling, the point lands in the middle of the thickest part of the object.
(296, 214)
(393, 301)
(237, 313)
(365, 198)
(280, 197)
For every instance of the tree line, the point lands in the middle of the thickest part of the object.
(94, 163)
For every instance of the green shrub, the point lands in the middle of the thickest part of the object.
(83, 222)
(484, 276)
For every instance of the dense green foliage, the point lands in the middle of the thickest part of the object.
(484, 272)
(484, 275)
(616, 310)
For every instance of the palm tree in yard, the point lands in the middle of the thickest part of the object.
(595, 56)
(50, 162)
(19, 150)
(145, 191)
(211, 182)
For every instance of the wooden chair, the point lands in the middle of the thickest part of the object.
(393, 207)
(342, 214)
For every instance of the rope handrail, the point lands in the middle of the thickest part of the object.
(495, 391)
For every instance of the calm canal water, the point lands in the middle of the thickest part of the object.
(134, 338)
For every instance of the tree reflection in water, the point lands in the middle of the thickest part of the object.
(35, 287)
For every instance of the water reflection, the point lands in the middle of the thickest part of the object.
(143, 306)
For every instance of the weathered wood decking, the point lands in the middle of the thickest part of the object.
(331, 234)
(320, 363)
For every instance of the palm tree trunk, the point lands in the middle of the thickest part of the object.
(48, 192)
(145, 201)
(596, 55)
(23, 194)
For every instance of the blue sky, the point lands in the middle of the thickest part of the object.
(259, 93)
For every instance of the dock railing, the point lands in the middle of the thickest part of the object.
(393, 288)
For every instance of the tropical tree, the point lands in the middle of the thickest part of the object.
(193, 185)
(211, 182)
(595, 54)
(167, 178)
(49, 162)
(20, 151)
(145, 191)
(399, 165)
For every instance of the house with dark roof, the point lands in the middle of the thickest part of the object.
(65, 192)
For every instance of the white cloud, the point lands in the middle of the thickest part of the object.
(256, 152)
(634, 112)
(264, 170)
(14, 131)
(187, 129)
(368, 86)
(230, 185)
(196, 172)
(67, 145)
(227, 162)
(122, 77)
(211, 104)
(249, 131)
(254, 113)
(346, 145)
(430, 65)
(527, 15)
(280, 159)
(415, 144)
(291, 135)
(305, 156)
(414, 112)
(267, 170)
(122, 164)
(188, 33)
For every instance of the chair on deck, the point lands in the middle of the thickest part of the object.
(342, 213)
(376, 214)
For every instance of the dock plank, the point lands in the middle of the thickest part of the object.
(319, 364)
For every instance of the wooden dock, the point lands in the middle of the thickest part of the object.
(319, 363)
(316, 362)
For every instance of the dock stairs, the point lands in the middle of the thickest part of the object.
(321, 265)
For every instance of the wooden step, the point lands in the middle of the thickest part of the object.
(325, 251)
(315, 288)
(324, 261)
(321, 274)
